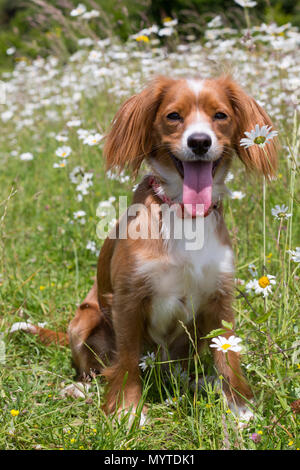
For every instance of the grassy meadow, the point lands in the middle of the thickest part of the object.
(52, 181)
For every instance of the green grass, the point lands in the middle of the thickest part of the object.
(46, 270)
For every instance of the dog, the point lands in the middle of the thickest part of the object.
(153, 290)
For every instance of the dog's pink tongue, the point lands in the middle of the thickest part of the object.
(197, 187)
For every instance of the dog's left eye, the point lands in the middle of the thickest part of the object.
(220, 116)
(174, 117)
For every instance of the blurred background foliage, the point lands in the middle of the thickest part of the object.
(39, 27)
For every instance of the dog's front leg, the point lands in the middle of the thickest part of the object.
(227, 362)
(123, 376)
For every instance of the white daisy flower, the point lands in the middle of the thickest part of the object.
(79, 215)
(281, 212)
(91, 246)
(263, 285)
(79, 10)
(252, 270)
(61, 164)
(295, 254)
(147, 361)
(93, 139)
(166, 31)
(246, 3)
(6, 115)
(237, 195)
(74, 123)
(63, 152)
(11, 50)
(85, 42)
(91, 14)
(27, 156)
(229, 177)
(95, 56)
(83, 133)
(250, 286)
(61, 138)
(226, 344)
(259, 136)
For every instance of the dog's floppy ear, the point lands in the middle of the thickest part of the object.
(248, 114)
(130, 138)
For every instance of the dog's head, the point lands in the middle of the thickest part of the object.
(189, 129)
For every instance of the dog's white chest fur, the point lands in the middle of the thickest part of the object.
(183, 281)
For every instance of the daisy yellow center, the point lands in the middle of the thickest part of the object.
(264, 282)
(225, 346)
(63, 154)
(259, 140)
(142, 38)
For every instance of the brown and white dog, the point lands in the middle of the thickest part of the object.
(155, 290)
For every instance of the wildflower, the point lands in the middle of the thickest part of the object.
(228, 411)
(91, 14)
(79, 215)
(14, 412)
(170, 22)
(255, 437)
(237, 195)
(93, 139)
(263, 285)
(280, 212)
(26, 157)
(226, 344)
(6, 115)
(147, 361)
(61, 138)
(252, 270)
(95, 56)
(91, 246)
(11, 50)
(258, 136)
(166, 31)
(79, 10)
(142, 38)
(74, 123)
(61, 164)
(290, 443)
(295, 254)
(173, 401)
(229, 177)
(42, 287)
(246, 3)
(63, 152)
(268, 257)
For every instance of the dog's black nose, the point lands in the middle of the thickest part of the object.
(199, 142)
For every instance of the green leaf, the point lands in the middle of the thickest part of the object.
(214, 333)
(227, 324)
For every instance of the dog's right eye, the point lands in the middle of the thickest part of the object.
(174, 117)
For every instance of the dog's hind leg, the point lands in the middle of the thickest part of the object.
(91, 337)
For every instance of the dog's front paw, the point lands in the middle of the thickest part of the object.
(76, 390)
(243, 414)
(23, 326)
(133, 415)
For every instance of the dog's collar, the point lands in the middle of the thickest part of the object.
(155, 184)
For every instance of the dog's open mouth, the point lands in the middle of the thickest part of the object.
(197, 185)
